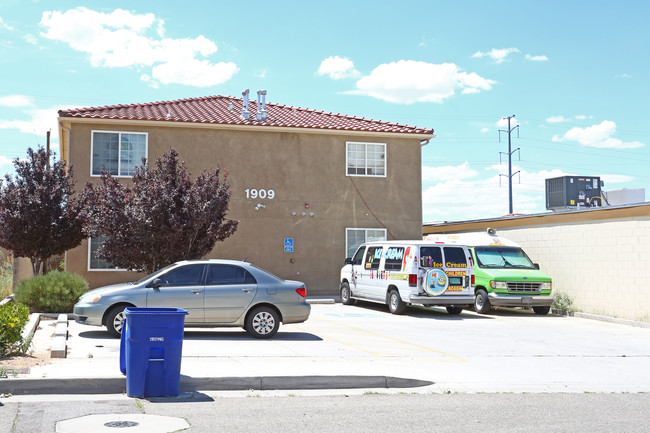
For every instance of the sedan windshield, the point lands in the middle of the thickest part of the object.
(502, 257)
(142, 280)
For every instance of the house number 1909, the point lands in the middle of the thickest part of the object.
(260, 193)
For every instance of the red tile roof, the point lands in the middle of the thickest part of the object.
(226, 110)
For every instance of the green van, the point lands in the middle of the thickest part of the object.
(505, 276)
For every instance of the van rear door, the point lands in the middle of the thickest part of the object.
(457, 267)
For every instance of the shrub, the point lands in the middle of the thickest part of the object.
(562, 301)
(13, 318)
(6, 276)
(54, 292)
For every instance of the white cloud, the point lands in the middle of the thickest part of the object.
(441, 173)
(458, 199)
(5, 161)
(597, 136)
(498, 55)
(503, 122)
(337, 68)
(4, 25)
(15, 101)
(541, 58)
(484, 130)
(624, 76)
(409, 81)
(124, 39)
(557, 119)
(616, 178)
(38, 122)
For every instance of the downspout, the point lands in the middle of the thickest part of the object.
(68, 148)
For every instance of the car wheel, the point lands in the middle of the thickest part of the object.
(542, 311)
(395, 303)
(346, 294)
(262, 322)
(452, 309)
(115, 320)
(482, 303)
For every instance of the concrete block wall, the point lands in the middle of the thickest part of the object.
(603, 265)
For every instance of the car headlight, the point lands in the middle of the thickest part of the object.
(547, 286)
(498, 284)
(90, 299)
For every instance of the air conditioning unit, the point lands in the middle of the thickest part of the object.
(573, 192)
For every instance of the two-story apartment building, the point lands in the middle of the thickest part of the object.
(307, 186)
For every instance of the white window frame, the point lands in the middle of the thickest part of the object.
(91, 269)
(365, 235)
(119, 158)
(365, 143)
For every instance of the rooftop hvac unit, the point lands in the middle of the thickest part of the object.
(569, 192)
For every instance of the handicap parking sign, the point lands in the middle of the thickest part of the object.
(288, 245)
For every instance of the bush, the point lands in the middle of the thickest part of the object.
(13, 318)
(6, 276)
(562, 301)
(54, 292)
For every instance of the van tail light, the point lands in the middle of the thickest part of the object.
(302, 291)
(473, 280)
(413, 280)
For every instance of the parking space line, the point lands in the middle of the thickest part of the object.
(404, 348)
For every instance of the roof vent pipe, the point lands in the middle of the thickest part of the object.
(261, 105)
(244, 111)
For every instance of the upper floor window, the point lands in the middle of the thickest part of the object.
(366, 159)
(118, 153)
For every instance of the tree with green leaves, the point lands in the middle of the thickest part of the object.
(38, 213)
(161, 217)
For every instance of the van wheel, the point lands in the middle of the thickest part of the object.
(346, 294)
(482, 303)
(542, 311)
(452, 309)
(395, 303)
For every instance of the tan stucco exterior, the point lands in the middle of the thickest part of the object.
(314, 200)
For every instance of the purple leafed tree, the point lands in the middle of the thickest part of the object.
(161, 217)
(38, 214)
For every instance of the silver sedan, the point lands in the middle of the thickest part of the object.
(214, 292)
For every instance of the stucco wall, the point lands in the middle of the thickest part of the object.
(302, 169)
(603, 265)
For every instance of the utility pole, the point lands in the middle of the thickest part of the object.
(510, 152)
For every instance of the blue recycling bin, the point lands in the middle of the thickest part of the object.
(150, 351)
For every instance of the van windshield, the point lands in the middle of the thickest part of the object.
(502, 257)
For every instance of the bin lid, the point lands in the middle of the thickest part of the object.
(156, 311)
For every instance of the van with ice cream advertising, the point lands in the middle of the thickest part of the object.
(505, 276)
(402, 273)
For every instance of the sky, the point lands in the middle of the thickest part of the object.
(573, 73)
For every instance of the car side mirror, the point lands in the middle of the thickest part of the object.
(536, 266)
(156, 283)
(348, 261)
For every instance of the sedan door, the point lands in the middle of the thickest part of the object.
(181, 287)
(229, 290)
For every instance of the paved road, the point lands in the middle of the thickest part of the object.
(575, 413)
(512, 351)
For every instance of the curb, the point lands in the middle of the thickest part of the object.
(188, 384)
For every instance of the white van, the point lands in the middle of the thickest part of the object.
(400, 273)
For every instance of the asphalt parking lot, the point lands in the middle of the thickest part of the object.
(509, 351)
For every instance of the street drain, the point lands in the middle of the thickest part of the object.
(121, 424)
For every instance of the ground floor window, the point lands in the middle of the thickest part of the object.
(355, 237)
(94, 262)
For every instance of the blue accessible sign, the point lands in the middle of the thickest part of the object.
(288, 245)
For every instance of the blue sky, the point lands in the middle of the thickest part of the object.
(574, 74)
